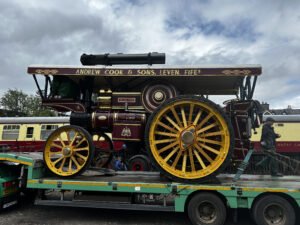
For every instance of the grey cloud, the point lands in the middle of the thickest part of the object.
(203, 32)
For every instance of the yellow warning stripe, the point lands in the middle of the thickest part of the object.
(84, 183)
(16, 161)
(145, 185)
(270, 190)
(207, 188)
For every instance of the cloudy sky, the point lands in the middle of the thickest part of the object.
(189, 32)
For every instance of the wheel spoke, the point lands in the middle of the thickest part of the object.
(183, 169)
(166, 134)
(209, 141)
(207, 128)
(81, 156)
(81, 149)
(80, 142)
(191, 113)
(171, 154)
(217, 133)
(192, 159)
(53, 144)
(197, 117)
(173, 123)
(177, 159)
(183, 117)
(176, 116)
(68, 136)
(199, 159)
(203, 153)
(204, 120)
(58, 160)
(74, 138)
(167, 127)
(62, 164)
(164, 141)
(210, 149)
(70, 165)
(75, 161)
(61, 141)
(167, 147)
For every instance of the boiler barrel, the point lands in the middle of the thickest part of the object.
(121, 59)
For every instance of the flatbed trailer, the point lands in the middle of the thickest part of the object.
(271, 200)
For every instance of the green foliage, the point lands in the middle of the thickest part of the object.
(18, 103)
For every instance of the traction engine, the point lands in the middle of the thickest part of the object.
(161, 115)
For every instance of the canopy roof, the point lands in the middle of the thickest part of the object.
(213, 79)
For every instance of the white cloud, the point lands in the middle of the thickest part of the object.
(190, 32)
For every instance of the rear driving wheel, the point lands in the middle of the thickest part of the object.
(68, 151)
(189, 138)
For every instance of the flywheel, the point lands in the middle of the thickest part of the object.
(68, 151)
(189, 139)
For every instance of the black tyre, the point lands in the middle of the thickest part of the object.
(273, 210)
(206, 209)
(68, 151)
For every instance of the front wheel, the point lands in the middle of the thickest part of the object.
(68, 151)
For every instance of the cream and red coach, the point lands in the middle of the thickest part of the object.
(161, 109)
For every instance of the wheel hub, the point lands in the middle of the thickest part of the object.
(66, 151)
(187, 137)
(274, 214)
(158, 96)
(207, 212)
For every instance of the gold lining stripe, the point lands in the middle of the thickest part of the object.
(127, 124)
(129, 107)
(15, 160)
(126, 93)
(131, 139)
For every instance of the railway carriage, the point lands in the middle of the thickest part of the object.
(159, 112)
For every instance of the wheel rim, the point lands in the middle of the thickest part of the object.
(189, 139)
(274, 214)
(207, 212)
(67, 151)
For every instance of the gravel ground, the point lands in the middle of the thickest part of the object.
(28, 214)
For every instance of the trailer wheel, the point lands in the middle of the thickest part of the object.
(206, 209)
(68, 151)
(273, 209)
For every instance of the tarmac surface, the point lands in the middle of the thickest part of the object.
(28, 214)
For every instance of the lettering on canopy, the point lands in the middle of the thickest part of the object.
(146, 71)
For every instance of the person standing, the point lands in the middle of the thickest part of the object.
(268, 143)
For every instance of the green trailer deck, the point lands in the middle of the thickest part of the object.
(271, 200)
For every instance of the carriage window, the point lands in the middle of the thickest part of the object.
(10, 132)
(47, 130)
(29, 132)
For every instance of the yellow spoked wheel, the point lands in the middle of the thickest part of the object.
(68, 151)
(189, 138)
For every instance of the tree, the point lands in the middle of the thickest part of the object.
(19, 103)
